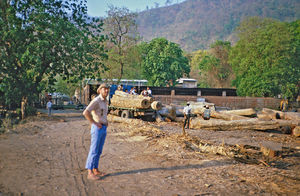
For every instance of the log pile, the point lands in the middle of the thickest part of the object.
(266, 119)
(130, 102)
(228, 120)
(125, 100)
(247, 124)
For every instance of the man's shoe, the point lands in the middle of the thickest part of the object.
(98, 173)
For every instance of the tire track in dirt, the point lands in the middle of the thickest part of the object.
(71, 166)
(82, 140)
(63, 162)
(85, 146)
(78, 167)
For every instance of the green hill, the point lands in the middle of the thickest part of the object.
(195, 24)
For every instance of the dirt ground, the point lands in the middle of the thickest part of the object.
(46, 156)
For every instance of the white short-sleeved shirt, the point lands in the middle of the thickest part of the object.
(49, 104)
(187, 110)
(98, 108)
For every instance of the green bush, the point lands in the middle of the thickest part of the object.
(19, 113)
(30, 111)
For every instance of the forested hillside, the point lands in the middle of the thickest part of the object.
(195, 24)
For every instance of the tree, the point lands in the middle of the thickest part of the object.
(42, 39)
(65, 87)
(163, 62)
(215, 68)
(266, 58)
(194, 60)
(121, 27)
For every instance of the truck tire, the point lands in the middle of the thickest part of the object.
(125, 114)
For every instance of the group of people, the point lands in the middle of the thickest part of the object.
(146, 92)
(187, 111)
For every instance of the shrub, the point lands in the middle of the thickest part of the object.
(30, 111)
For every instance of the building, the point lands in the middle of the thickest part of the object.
(187, 83)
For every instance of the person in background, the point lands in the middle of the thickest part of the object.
(187, 114)
(284, 104)
(96, 114)
(206, 113)
(133, 91)
(149, 91)
(49, 107)
(120, 87)
(144, 93)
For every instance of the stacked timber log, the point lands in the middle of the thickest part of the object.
(156, 105)
(125, 100)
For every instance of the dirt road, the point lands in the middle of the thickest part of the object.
(46, 156)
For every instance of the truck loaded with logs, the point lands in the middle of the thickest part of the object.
(133, 106)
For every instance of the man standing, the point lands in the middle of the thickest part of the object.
(96, 114)
(49, 107)
(149, 91)
(187, 114)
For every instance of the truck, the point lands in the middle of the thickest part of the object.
(125, 112)
(133, 106)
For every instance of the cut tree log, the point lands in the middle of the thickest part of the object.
(296, 131)
(168, 112)
(131, 121)
(123, 94)
(126, 102)
(158, 118)
(223, 116)
(179, 119)
(150, 99)
(199, 107)
(274, 114)
(241, 112)
(271, 149)
(179, 111)
(262, 116)
(249, 124)
(156, 105)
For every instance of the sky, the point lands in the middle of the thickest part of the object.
(99, 7)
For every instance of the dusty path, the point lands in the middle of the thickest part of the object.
(46, 156)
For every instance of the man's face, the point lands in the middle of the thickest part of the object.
(104, 92)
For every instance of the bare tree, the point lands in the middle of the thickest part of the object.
(121, 27)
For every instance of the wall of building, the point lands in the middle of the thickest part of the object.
(222, 101)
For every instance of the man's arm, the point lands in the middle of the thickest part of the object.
(87, 114)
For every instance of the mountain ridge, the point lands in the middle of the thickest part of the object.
(195, 24)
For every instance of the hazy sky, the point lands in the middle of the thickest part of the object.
(99, 7)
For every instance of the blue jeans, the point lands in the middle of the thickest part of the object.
(98, 136)
(49, 111)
